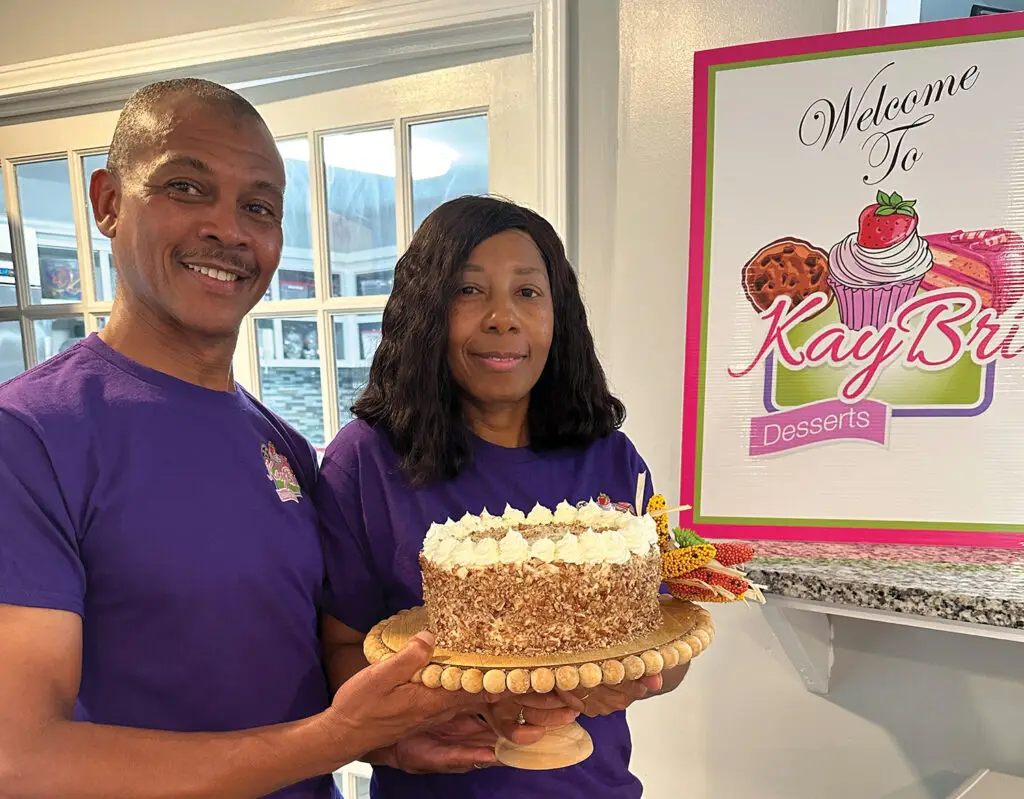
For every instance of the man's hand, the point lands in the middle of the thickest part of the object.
(460, 745)
(603, 700)
(380, 705)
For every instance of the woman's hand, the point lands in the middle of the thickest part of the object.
(539, 713)
(458, 746)
(467, 742)
(379, 706)
(603, 700)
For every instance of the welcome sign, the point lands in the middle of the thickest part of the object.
(856, 288)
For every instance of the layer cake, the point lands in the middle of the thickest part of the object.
(546, 582)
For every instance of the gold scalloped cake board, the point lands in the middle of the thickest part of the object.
(686, 631)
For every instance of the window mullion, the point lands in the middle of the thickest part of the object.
(328, 374)
(244, 362)
(403, 186)
(20, 257)
(318, 218)
(83, 235)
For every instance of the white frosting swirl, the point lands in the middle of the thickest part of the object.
(512, 516)
(485, 552)
(445, 554)
(565, 513)
(650, 529)
(464, 552)
(592, 547)
(592, 513)
(616, 550)
(513, 548)
(636, 539)
(543, 549)
(568, 550)
(851, 265)
(470, 523)
(434, 535)
(540, 515)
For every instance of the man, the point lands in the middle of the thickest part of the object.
(160, 564)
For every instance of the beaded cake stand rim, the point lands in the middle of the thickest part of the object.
(610, 666)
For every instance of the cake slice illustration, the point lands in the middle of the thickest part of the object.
(881, 265)
(989, 261)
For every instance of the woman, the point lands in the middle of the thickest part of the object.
(485, 390)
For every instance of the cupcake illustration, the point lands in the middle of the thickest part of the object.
(876, 269)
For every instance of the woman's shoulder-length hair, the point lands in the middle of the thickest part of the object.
(411, 395)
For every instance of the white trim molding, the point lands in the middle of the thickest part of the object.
(366, 34)
(860, 14)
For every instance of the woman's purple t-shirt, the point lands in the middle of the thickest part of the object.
(373, 524)
(178, 523)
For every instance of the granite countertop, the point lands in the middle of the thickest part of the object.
(982, 586)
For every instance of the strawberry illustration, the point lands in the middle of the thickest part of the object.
(888, 221)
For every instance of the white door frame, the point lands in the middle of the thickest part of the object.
(859, 14)
(364, 35)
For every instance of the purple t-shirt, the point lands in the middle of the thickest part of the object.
(374, 523)
(146, 505)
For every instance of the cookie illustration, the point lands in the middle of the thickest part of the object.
(787, 267)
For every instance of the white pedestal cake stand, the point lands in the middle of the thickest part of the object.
(686, 631)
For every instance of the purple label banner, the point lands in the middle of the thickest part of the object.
(829, 420)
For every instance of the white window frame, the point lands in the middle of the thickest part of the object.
(350, 774)
(860, 14)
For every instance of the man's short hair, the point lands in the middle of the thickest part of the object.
(136, 123)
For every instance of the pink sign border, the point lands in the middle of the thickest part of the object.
(704, 62)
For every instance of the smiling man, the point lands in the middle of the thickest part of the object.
(160, 562)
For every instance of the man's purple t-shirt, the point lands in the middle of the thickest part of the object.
(146, 505)
(374, 523)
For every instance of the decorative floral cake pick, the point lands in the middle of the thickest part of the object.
(699, 570)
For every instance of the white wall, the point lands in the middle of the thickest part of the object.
(46, 28)
(911, 713)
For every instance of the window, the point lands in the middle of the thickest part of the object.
(12, 356)
(436, 147)
(8, 293)
(46, 302)
(102, 257)
(903, 12)
(345, 190)
(354, 780)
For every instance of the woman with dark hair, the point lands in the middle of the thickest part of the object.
(485, 390)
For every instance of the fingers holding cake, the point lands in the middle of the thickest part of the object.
(381, 704)
(463, 744)
(525, 719)
(603, 700)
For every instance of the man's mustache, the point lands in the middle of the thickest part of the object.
(218, 255)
